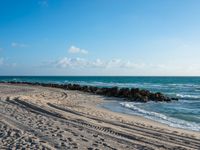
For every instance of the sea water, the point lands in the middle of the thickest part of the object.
(184, 113)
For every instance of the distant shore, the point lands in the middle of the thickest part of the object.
(51, 118)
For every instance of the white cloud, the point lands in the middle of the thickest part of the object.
(71, 62)
(98, 63)
(75, 50)
(5, 63)
(18, 45)
(83, 66)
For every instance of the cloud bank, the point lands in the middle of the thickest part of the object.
(97, 63)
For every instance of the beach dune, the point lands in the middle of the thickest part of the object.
(38, 117)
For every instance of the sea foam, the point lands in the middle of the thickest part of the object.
(173, 122)
(188, 96)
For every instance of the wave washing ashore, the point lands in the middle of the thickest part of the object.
(184, 113)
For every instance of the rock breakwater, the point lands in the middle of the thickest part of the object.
(130, 94)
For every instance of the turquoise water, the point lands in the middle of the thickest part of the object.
(184, 113)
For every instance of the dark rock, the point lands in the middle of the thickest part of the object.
(92, 89)
(173, 98)
(124, 92)
(133, 94)
(113, 91)
(99, 91)
(84, 88)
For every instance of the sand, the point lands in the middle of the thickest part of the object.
(34, 117)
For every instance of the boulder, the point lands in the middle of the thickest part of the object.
(124, 92)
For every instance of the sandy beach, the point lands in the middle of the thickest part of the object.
(35, 117)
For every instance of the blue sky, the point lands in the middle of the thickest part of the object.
(100, 37)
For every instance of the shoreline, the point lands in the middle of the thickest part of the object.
(115, 106)
(45, 109)
(147, 121)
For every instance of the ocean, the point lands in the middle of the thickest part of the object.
(184, 113)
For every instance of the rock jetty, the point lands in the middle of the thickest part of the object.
(129, 94)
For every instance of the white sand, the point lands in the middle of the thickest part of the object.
(48, 118)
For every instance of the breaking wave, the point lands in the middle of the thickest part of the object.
(173, 122)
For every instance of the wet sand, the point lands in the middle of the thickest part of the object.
(35, 117)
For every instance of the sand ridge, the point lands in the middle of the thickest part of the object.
(50, 118)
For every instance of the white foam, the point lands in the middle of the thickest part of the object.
(173, 122)
(188, 96)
